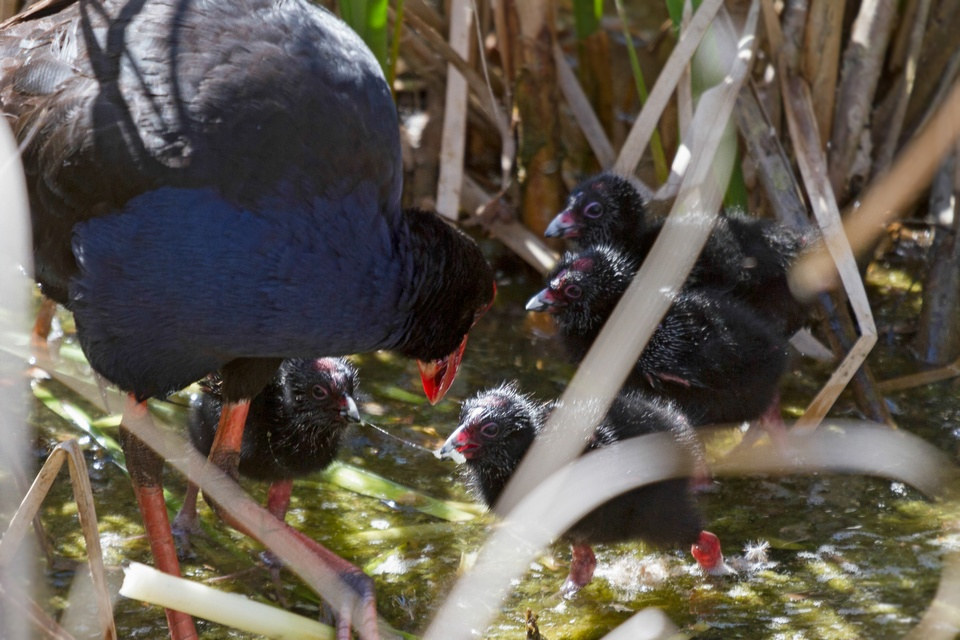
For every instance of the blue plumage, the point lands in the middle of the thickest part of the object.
(208, 187)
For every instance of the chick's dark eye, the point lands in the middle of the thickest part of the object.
(319, 392)
(490, 430)
(572, 291)
(593, 210)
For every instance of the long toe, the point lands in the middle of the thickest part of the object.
(186, 524)
(582, 565)
(362, 615)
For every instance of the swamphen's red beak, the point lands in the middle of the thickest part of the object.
(438, 375)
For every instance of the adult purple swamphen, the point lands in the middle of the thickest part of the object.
(712, 354)
(748, 257)
(215, 186)
(293, 428)
(497, 428)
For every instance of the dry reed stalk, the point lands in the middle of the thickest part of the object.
(66, 452)
(643, 126)
(862, 64)
(766, 84)
(937, 341)
(794, 22)
(454, 116)
(821, 55)
(537, 97)
(774, 167)
(427, 14)
(889, 194)
(478, 85)
(889, 133)
(596, 76)
(582, 111)
(515, 236)
(909, 381)
(504, 45)
(839, 326)
(897, 56)
(938, 59)
(684, 89)
(508, 145)
(806, 140)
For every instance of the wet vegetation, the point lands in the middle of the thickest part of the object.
(826, 556)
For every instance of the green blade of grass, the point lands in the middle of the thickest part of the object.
(675, 9)
(369, 19)
(412, 532)
(370, 484)
(656, 146)
(393, 392)
(79, 418)
(586, 17)
(736, 193)
(395, 44)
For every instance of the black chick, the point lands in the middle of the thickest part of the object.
(747, 256)
(711, 354)
(293, 428)
(499, 425)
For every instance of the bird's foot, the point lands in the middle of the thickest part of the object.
(582, 565)
(186, 523)
(708, 554)
(184, 527)
(359, 613)
(274, 566)
(569, 588)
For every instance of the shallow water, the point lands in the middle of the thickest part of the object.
(847, 556)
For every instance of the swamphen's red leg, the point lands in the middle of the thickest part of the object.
(582, 565)
(225, 453)
(278, 498)
(229, 436)
(145, 469)
(772, 422)
(41, 327)
(708, 554)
